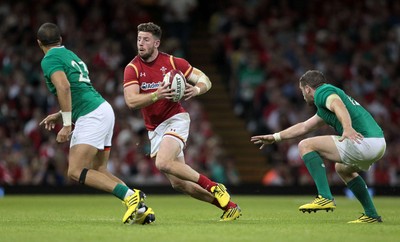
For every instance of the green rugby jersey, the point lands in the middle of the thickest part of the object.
(84, 97)
(361, 119)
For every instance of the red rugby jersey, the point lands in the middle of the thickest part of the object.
(149, 77)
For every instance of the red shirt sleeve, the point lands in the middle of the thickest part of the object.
(130, 75)
(183, 65)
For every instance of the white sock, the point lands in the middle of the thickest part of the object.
(141, 210)
(129, 193)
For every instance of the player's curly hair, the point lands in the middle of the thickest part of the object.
(313, 78)
(150, 27)
(49, 34)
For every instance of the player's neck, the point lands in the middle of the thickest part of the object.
(47, 48)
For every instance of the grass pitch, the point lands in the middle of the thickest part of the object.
(180, 218)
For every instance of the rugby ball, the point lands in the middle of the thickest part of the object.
(176, 80)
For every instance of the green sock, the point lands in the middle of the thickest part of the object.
(360, 191)
(316, 167)
(120, 191)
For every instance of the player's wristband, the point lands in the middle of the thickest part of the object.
(67, 118)
(277, 137)
(198, 90)
(154, 97)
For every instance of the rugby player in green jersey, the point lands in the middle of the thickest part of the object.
(93, 119)
(359, 144)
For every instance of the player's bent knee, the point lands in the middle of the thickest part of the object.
(346, 172)
(73, 175)
(343, 169)
(164, 166)
(78, 175)
(304, 146)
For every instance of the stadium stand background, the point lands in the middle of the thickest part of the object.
(254, 51)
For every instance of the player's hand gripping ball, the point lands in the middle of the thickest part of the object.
(176, 80)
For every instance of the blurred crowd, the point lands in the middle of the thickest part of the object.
(103, 34)
(264, 46)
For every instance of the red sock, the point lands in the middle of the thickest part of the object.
(230, 205)
(205, 183)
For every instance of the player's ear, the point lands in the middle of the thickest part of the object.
(311, 89)
(39, 43)
(157, 43)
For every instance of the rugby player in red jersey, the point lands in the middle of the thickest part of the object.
(167, 122)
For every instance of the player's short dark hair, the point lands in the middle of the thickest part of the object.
(150, 27)
(313, 78)
(49, 34)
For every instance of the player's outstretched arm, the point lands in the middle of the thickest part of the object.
(294, 131)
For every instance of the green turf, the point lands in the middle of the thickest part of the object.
(180, 218)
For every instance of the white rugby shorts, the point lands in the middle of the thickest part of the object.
(95, 128)
(361, 155)
(176, 127)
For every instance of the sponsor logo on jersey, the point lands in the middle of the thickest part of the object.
(151, 85)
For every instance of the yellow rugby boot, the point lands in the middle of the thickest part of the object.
(231, 214)
(146, 217)
(132, 203)
(221, 194)
(364, 219)
(319, 203)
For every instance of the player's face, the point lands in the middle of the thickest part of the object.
(147, 46)
(306, 91)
